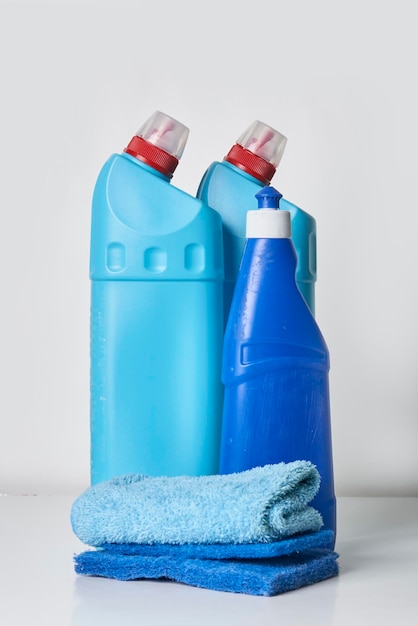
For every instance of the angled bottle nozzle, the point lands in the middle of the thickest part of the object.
(159, 143)
(258, 151)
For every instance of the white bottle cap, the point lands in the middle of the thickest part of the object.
(268, 224)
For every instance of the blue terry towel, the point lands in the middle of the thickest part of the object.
(255, 506)
(267, 577)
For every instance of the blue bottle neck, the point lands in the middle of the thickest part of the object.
(145, 166)
(238, 170)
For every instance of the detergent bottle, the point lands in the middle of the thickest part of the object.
(156, 269)
(275, 361)
(230, 186)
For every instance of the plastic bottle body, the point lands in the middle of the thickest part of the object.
(230, 191)
(156, 326)
(275, 372)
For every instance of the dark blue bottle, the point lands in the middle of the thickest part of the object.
(275, 361)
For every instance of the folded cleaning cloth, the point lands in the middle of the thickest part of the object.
(262, 504)
(282, 547)
(267, 577)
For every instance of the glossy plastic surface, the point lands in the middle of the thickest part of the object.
(275, 371)
(156, 326)
(231, 191)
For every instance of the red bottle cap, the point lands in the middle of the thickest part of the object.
(152, 155)
(251, 163)
(258, 151)
(159, 143)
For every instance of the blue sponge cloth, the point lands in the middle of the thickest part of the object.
(266, 577)
(262, 504)
(291, 545)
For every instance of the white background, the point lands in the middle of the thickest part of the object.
(339, 79)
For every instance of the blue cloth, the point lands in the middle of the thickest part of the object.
(298, 543)
(266, 577)
(259, 505)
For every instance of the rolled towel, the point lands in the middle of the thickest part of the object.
(262, 504)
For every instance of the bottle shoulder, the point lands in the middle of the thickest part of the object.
(269, 311)
(140, 200)
(224, 186)
(298, 214)
(143, 228)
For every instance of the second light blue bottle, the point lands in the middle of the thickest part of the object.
(156, 269)
(229, 186)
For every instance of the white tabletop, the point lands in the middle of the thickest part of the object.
(378, 581)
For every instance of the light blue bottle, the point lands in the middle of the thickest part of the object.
(275, 362)
(230, 187)
(156, 270)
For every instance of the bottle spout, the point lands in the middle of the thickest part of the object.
(159, 143)
(258, 151)
(268, 198)
(267, 222)
(264, 141)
